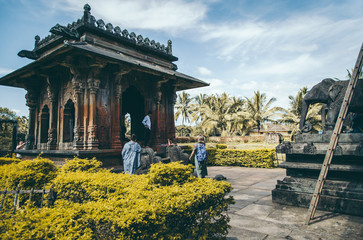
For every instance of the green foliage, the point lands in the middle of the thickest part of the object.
(6, 129)
(104, 205)
(78, 164)
(169, 174)
(221, 146)
(29, 174)
(257, 158)
(8, 160)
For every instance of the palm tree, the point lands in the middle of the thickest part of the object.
(292, 116)
(222, 115)
(259, 110)
(183, 107)
(200, 101)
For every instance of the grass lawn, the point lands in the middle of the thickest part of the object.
(239, 145)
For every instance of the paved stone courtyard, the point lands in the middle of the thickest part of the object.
(254, 216)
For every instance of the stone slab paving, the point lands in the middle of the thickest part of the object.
(254, 216)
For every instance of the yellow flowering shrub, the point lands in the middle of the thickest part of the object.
(105, 205)
(257, 158)
(29, 173)
(8, 160)
(169, 174)
(78, 164)
(221, 146)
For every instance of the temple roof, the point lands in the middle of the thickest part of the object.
(94, 38)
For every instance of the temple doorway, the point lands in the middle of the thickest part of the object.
(133, 104)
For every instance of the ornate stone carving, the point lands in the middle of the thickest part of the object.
(132, 36)
(52, 139)
(169, 49)
(65, 31)
(284, 147)
(93, 84)
(140, 39)
(87, 17)
(100, 24)
(109, 27)
(125, 33)
(309, 149)
(117, 31)
(51, 91)
(147, 41)
(31, 98)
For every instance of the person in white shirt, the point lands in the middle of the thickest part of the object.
(147, 124)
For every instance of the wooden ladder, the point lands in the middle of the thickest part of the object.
(335, 136)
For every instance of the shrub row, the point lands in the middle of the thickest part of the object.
(257, 158)
(8, 160)
(166, 203)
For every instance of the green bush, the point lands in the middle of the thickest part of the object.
(8, 160)
(78, 164)
(169, 174)
(29, 174)
(257, 158)
(221, 146)
(105, 205)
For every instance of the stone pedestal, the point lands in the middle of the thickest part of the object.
(343, 189)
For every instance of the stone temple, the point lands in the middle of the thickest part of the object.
(85, 78)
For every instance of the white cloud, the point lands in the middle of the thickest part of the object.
(204, 71)
(160, 15)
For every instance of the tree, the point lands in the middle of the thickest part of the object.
(259, 109)
(6, 130)
(199, 102)
(223, 115)
(183, 107)
(292, 116)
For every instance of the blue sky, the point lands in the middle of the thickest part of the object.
(274, 46)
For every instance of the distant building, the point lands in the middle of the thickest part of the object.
(85, 78)
(271, 131)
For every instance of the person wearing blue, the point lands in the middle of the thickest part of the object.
(131, 155)
(200, 160)
(147, 124)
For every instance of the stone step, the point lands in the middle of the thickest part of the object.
(317, 166)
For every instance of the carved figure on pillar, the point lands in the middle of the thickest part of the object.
(93, 85)
(78, 130)
(52, 132)
(31, 103)
(116, 139)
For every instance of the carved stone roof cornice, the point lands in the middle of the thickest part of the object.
(88, 23)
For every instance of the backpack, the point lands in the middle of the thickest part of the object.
(201, 152)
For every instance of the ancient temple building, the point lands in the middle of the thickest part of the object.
(85, 78)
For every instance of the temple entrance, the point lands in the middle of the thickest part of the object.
(44, 124)
(68, 122)
(133, 104)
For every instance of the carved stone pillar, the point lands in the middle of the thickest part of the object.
(170, 113)
(160, 123)
(78, 130)
(52, 132)
(93, 85)
(116, 124)
(31, 103)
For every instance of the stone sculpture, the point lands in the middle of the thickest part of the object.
(331, 93)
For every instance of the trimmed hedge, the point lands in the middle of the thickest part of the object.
(29, 174)
(78, 164)
(257, 158)
(167, 203)
(9, 160)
